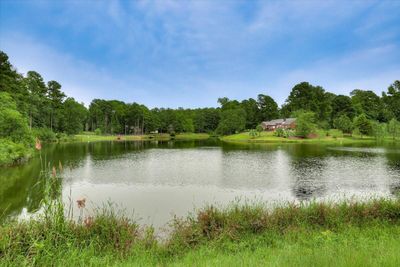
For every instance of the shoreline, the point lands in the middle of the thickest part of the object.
(291, 234)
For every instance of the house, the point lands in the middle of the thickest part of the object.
(289, 123)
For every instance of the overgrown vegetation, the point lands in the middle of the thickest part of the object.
(108, 237)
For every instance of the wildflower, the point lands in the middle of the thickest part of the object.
(38, 145)
(81, 203)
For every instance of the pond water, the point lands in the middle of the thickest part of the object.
(154, 180)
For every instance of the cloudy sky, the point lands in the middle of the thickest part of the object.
(189, 53)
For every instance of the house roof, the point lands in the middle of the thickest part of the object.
(279, 121)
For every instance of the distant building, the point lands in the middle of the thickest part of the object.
(289, 123)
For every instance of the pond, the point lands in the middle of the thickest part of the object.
(155, 180)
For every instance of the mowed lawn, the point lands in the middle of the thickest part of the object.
(269, 137)
(90, 137)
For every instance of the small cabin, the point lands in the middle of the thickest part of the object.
(289, 123)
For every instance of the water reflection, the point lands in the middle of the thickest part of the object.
(158, 178)
(308, 177)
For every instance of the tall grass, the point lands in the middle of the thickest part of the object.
(109, 237)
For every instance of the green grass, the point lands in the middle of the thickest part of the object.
(91, 137)
(268, 137)
(250, 234)
(313, 234)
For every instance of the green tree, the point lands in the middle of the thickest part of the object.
(363, 124)
(188, 126)
(342, 105)
(12, 82)
(268, 108)
(56, 97)
(343, 123)
(74, 116)
(305, 123)
(232, 120)
(253, 115)
(38, 108)
(391, 99)
(368, 103)
(305, 96)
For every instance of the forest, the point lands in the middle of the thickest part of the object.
(33, 108)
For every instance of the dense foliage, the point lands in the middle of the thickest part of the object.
(46, 110)
(15, 136)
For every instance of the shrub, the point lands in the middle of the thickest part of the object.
(285, 133)
(62, 137)
(363, 125)
(379, 130)
(394, 128)
(279, 132)
(253, 133)
(11, 151)
(97, 131)
(305, 123)
(16, 140)
(259, 129)
(343, 123)
(321, 133)
(45, 134)
(335, 133)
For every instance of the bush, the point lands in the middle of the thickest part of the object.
(62, 137)
(363, 125)
(45, 134)
(279, 132)
(97, 131)
(321, 133)
(285, 133)
(13, 125)
(253, 133)
(305, 123)
(335, 133)
(379, 130)
(11, 152)
(259, 129)
(16, 140)
(343, 123)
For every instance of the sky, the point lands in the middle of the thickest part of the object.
(189, 53)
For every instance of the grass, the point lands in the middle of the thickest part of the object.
(268, 137)
(304, 234)
(91, 137)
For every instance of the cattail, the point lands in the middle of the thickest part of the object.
(38, 145)
(81, 203)
(54, 172)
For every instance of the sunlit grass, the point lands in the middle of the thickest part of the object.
(91, 137)
(268, 137)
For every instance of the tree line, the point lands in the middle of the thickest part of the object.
(46, 109)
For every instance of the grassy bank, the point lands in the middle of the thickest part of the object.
(91, 137)
(314, 234)
(268, 137)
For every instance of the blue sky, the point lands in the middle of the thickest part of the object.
(189, 53)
